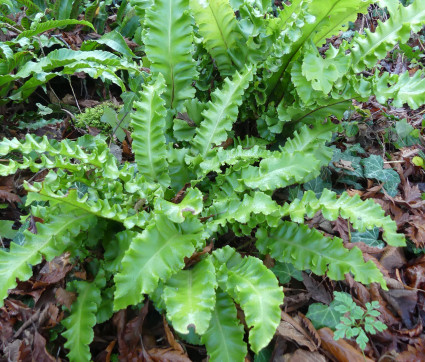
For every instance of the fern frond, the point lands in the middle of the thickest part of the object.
(221, 112)
(281, 171)
(362, 214)
(256, 290)
(62, 152)
(231, 209)
(238, 155)
(154, 255)
(402, 89)
(192, 203)
(50, 241)
(367, 49)
(189, 297)
(100, 207)
(224, 337)
(307, 248)
(333, 15)
(148, 136)
(220, 31)
(32, 8)
(79, 325)
(168, 45)
(312, 140)
(52, 24)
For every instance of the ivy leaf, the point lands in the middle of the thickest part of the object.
(285, 272)
(369, 237)
(322, 315)
(374, 169)
(6, 230)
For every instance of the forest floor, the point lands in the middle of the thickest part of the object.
(378, 143)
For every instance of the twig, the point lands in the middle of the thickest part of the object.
(73, 93)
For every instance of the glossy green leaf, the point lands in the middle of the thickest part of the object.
(307, 248)
(189, 297)
(224, 337)
(155, 254)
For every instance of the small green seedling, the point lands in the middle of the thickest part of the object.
(356, 322)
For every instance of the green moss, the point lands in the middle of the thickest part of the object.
(91, 117)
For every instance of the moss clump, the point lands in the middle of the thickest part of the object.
(91, 117)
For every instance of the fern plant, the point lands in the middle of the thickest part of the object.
(187, 185)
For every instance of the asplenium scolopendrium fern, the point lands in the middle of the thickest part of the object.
(128, 210)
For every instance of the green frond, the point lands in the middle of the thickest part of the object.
(282, 170)
(366, 50)
(51, 240)
(148, 122)
(52, 24)
(403, 89)
(256, 290)
(155, 254)
(192, 204)
(220, 31)
(189, 297)
(362, 214)
(231, 209)
(79, 325)
(221, 112)
(168, 46)
(312, 140)
(307, 248)
(224, 337)
(98, 207)
(62, 153)
(236, 156)
(333, 15)
(32, 8)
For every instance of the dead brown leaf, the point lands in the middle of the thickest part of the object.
(9, 197)
(341, 350)
(65, 297)
(39, 351)
(301, 355)
(167, 355)
(170, 337)
(291, 330)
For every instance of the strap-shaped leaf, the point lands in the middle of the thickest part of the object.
(192, 203)
(101, 207)
(220, 30)
(332, 15)
(281, 171)
(233, 209)
(403, 89)
(234, 156)
(224, 337)
(189, 297)
(367, 49)
(148, 136)
(257, 291)
(99, 156)
(324, 20)
(312, 140)
(221, 112)
(168, 45)
(307, 248)
(52, 24)
(363, 214)
(51, 239)
(154, 255)
(79, 325)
